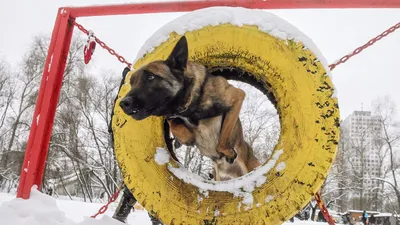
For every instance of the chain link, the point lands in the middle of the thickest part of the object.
(323, 209)
(361, 48)
(102, 44)
(112, 199)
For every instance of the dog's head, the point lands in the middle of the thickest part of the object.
(155, 85)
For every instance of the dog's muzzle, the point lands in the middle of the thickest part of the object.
(128, 107)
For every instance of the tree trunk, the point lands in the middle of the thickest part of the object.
(396, 187)
(313, 210)
(102, 184)
(188, 157)
(200, 165)
(85, 183)
(65, 189)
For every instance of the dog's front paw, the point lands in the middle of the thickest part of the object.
(230, 160)
(229, 153)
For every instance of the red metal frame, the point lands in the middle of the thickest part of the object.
(39, 137)
(43, 117)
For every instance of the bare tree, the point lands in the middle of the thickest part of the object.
(81, 133)
(80, 145)
(260, 121)
(385, 111)
(6, 94)
(95, 103)
(17, 113)
(359, 178)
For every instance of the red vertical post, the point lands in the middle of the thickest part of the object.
(43, 118)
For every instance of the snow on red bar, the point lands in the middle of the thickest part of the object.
(184, 6)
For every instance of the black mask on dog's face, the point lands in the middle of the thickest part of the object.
(154, 86)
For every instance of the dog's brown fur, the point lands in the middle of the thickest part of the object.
(202, 109)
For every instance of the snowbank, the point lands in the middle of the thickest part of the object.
(41, 209)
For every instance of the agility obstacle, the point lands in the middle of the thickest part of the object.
(259, 48)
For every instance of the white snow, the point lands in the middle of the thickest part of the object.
(269, 198)
(249, 187)
(239, 187)
(213, 16)
(161, 157)
(248, 199)
(260, 181)
(216, 213)
(199, 199)
(41, 209)
(335, 93)
(204, 192)
(37, 120)
(281, 166)
(231, 185)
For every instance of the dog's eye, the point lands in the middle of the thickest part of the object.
(150, 77)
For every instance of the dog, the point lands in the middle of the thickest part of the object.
(201, 109)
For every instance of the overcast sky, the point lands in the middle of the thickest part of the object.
(375, 72)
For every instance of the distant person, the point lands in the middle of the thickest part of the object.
(345, 219)
(372, 220)
(364, 218)
(386, 221)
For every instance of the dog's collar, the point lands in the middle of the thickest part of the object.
(186, 104)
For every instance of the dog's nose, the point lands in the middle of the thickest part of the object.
(129, 105)
(126, 103)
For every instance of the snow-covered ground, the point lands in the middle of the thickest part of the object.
(42, 209)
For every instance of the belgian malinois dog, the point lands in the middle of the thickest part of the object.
(202, 109)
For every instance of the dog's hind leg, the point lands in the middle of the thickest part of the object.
(234, 98)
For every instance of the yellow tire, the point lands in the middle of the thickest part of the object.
(309, 118)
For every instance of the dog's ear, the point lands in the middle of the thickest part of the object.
(179, 56)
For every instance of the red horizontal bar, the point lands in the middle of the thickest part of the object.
(184, 6)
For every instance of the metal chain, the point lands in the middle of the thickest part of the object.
(323, 209)
(361, 48)
(112, 199)
(331, 67)
(102, 44)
